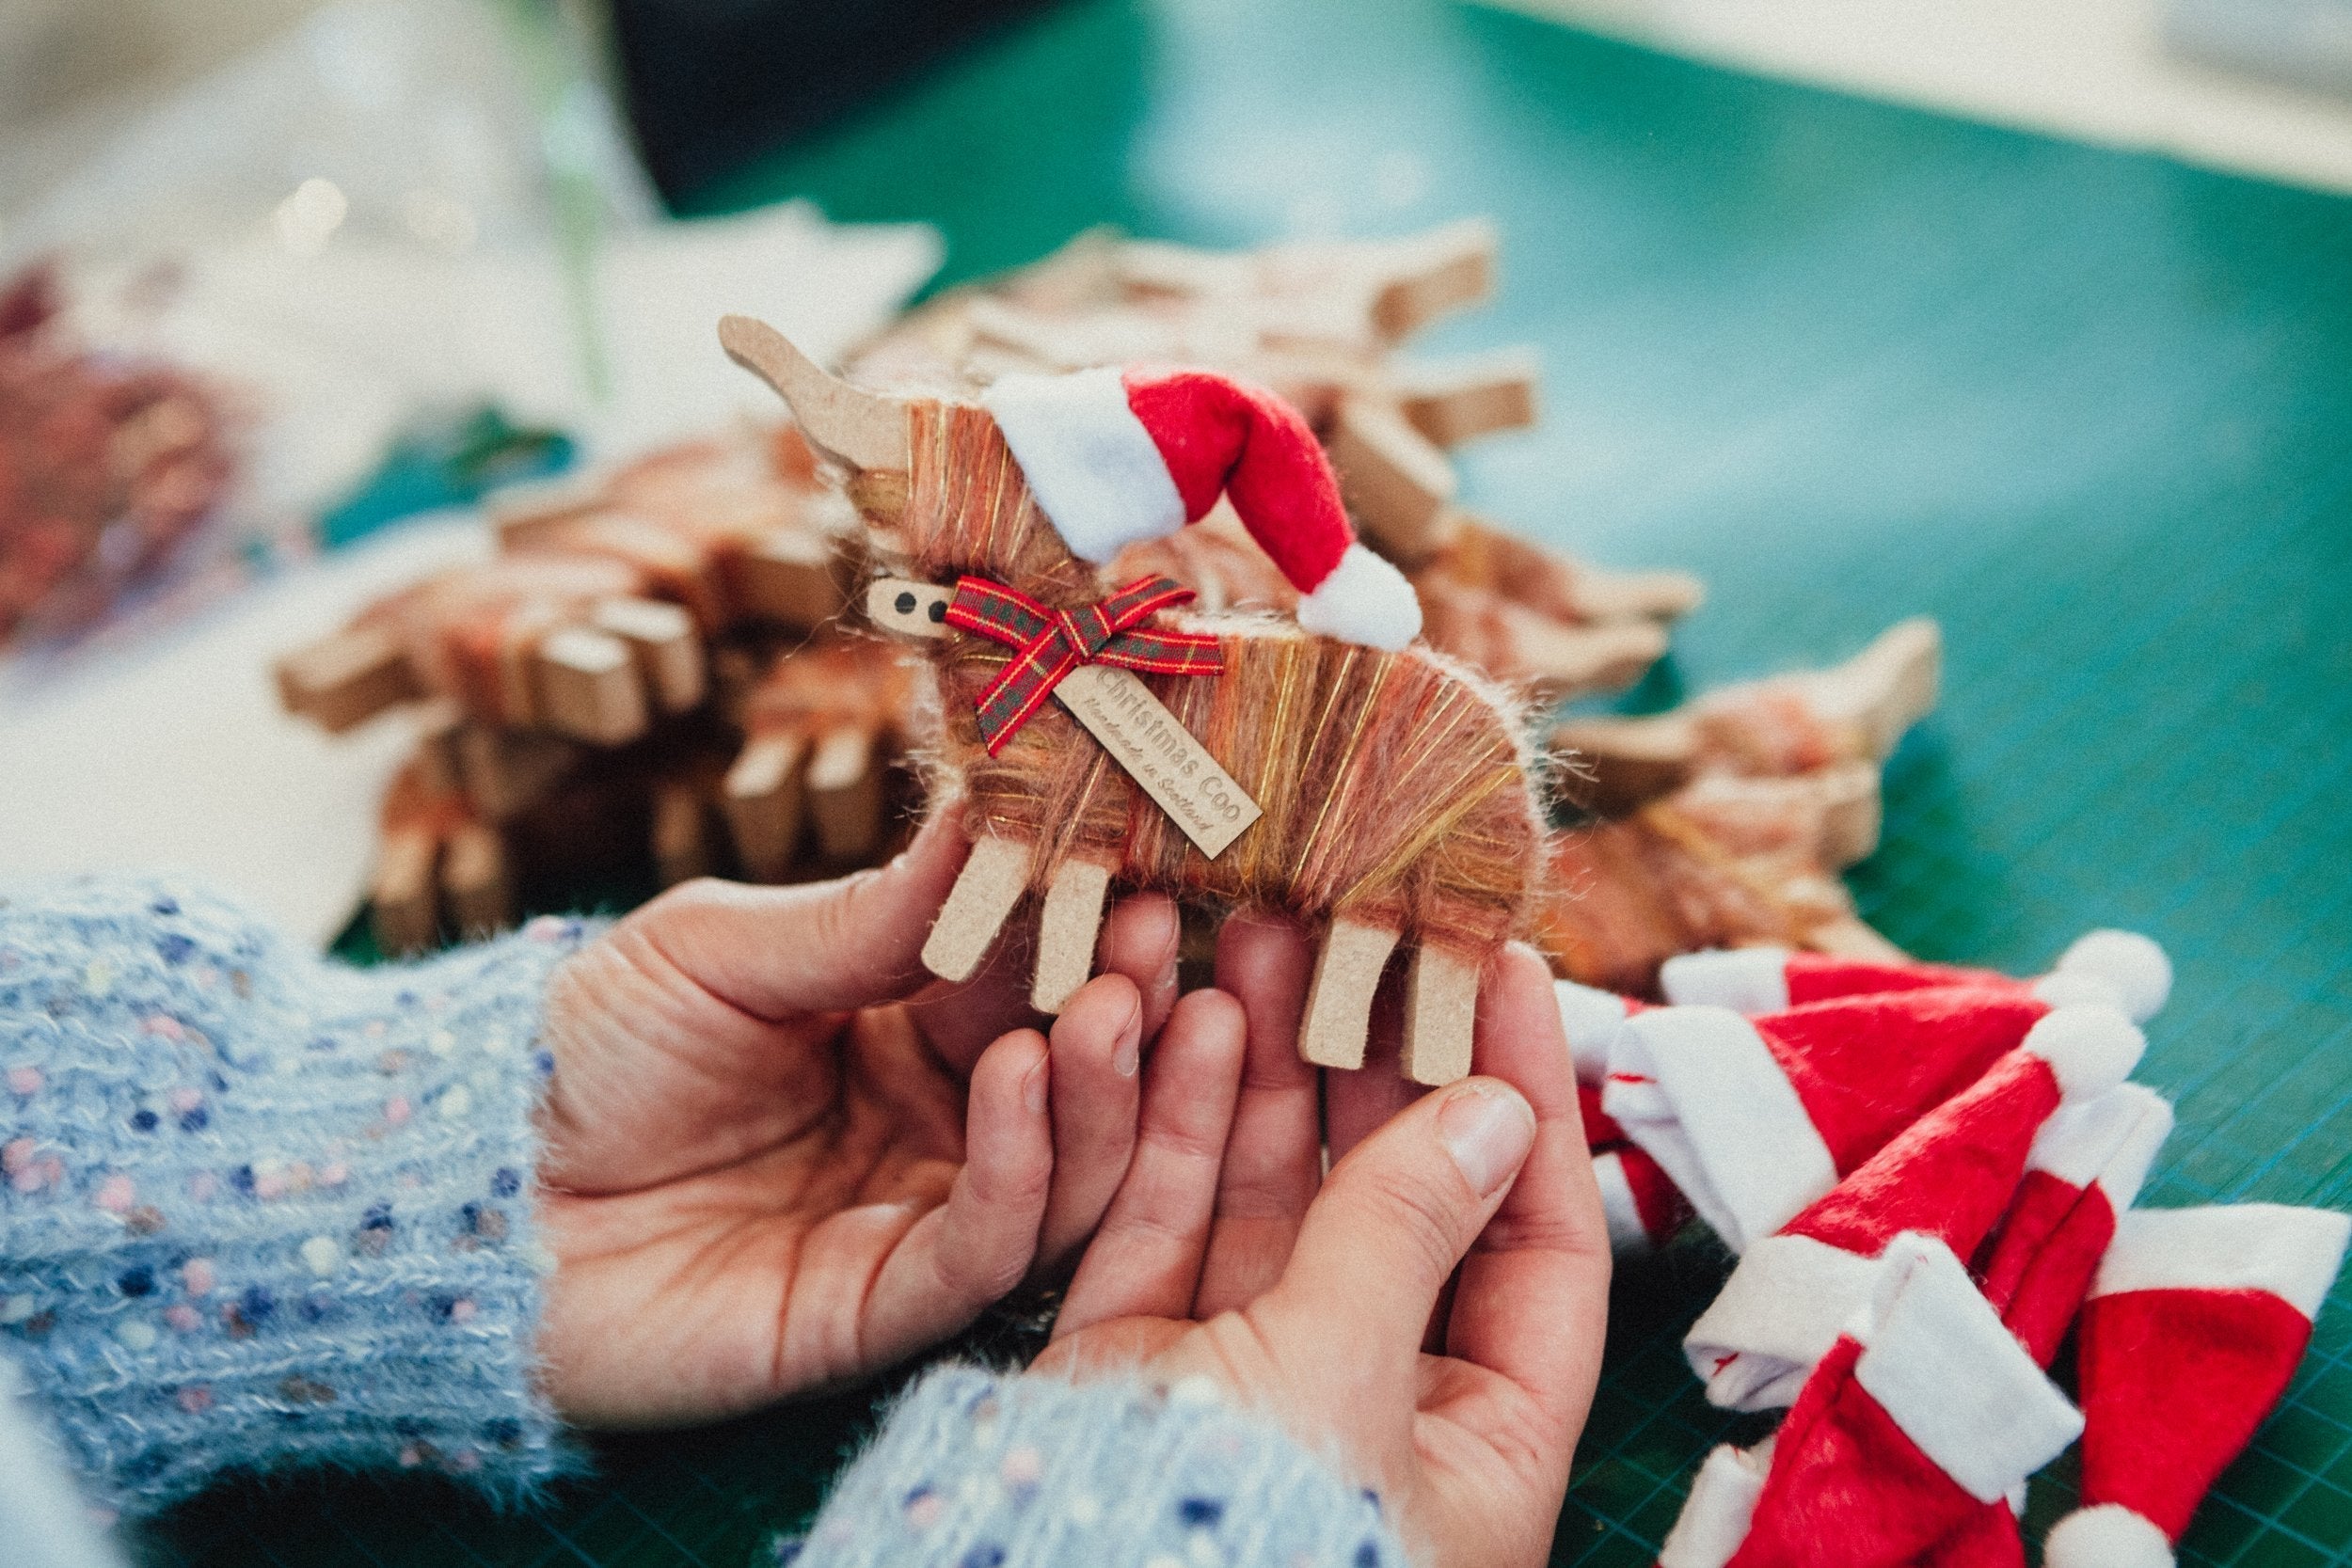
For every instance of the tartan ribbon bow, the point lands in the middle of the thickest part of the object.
(1050, 643)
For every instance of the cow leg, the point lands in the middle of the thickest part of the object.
(1338, 1003)
(1066, 930)
(1440, 1009)
(989, 886)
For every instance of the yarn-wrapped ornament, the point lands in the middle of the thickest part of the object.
(1390, 787)
(1950, 1176)
(1755, 1118)
(2121, 967)
(2192, 1332)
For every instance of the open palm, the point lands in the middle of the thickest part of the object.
(778, 1158)
(1431, 1312)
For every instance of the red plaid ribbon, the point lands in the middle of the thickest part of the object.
(1050, 643)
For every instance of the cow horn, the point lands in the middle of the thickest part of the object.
(863, 429)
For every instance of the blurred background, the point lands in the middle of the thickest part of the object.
(2033, 316)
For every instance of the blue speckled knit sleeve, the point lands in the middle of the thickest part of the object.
(977, 1471)
(260, 1209)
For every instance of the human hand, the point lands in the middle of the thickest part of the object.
(779, 1157)
(1433, 1311)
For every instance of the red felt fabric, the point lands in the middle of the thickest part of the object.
(1867, 1066)
(1849, 1490)
(1950, 1174)
(1990, 1539)
(2040, 1262)
(1221, 436)
(1660, 1203)
(2174, 1383)
(1600, 1129)
(1823, 976)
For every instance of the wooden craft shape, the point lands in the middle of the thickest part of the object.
(1397, 810)
(1857, 711)
(820, 727)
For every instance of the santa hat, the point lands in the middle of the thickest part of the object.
(1714, 1518)
(1951, 1175)
(2120, 967)
(2086, 1169)
(1755, 1118)
(1115, 457)
(1643, 1209)
(2190, 1335)
(1912, 1435)
(1592, 1018)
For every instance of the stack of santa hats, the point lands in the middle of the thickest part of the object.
(1927, 1173)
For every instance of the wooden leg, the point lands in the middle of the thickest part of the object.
(1399, 485)
(438, 724)
(1615, 766)
(402, 895)
(1569, 661)
(669, 653)
(1636, 595)
(506, 773)
(342, 680)
(1339, 1003)
(681, 833)
(1431, 273)
(991, 884)
(1440, 1012)
(1453, 402)
(845, 796)
(787, 577)
(588, 688)
(476, 882)
(1066, 932)
(762, 796)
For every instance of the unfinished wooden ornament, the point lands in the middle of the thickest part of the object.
(1393, 785)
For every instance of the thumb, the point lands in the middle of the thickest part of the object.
(1396, 1216)
(775, 952)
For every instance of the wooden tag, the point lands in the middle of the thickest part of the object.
(1118, 710)
(1172, 766)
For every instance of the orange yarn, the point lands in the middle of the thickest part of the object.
(1395, 787)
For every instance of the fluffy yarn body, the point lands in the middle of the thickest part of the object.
(1395, 786)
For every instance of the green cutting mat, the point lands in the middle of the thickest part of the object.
(1850, 363)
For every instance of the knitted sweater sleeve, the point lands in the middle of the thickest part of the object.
(260, 1209)
(977, 1470)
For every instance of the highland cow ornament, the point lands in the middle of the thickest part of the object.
(1091, 723)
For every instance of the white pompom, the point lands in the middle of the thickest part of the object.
(2134, 965)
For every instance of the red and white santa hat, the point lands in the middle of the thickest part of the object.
(1643, 1209)
(1592, 1018)
(2192, 1335)
(1950, 1175)
(1753, 1119)
(2085, 1171)
(1115, 457)
(1715, 1516)
(2121, 967)
(1913, 1434)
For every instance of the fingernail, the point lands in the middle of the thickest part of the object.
(1489, 1130)
(1127, 1056)
(1034, 1087)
